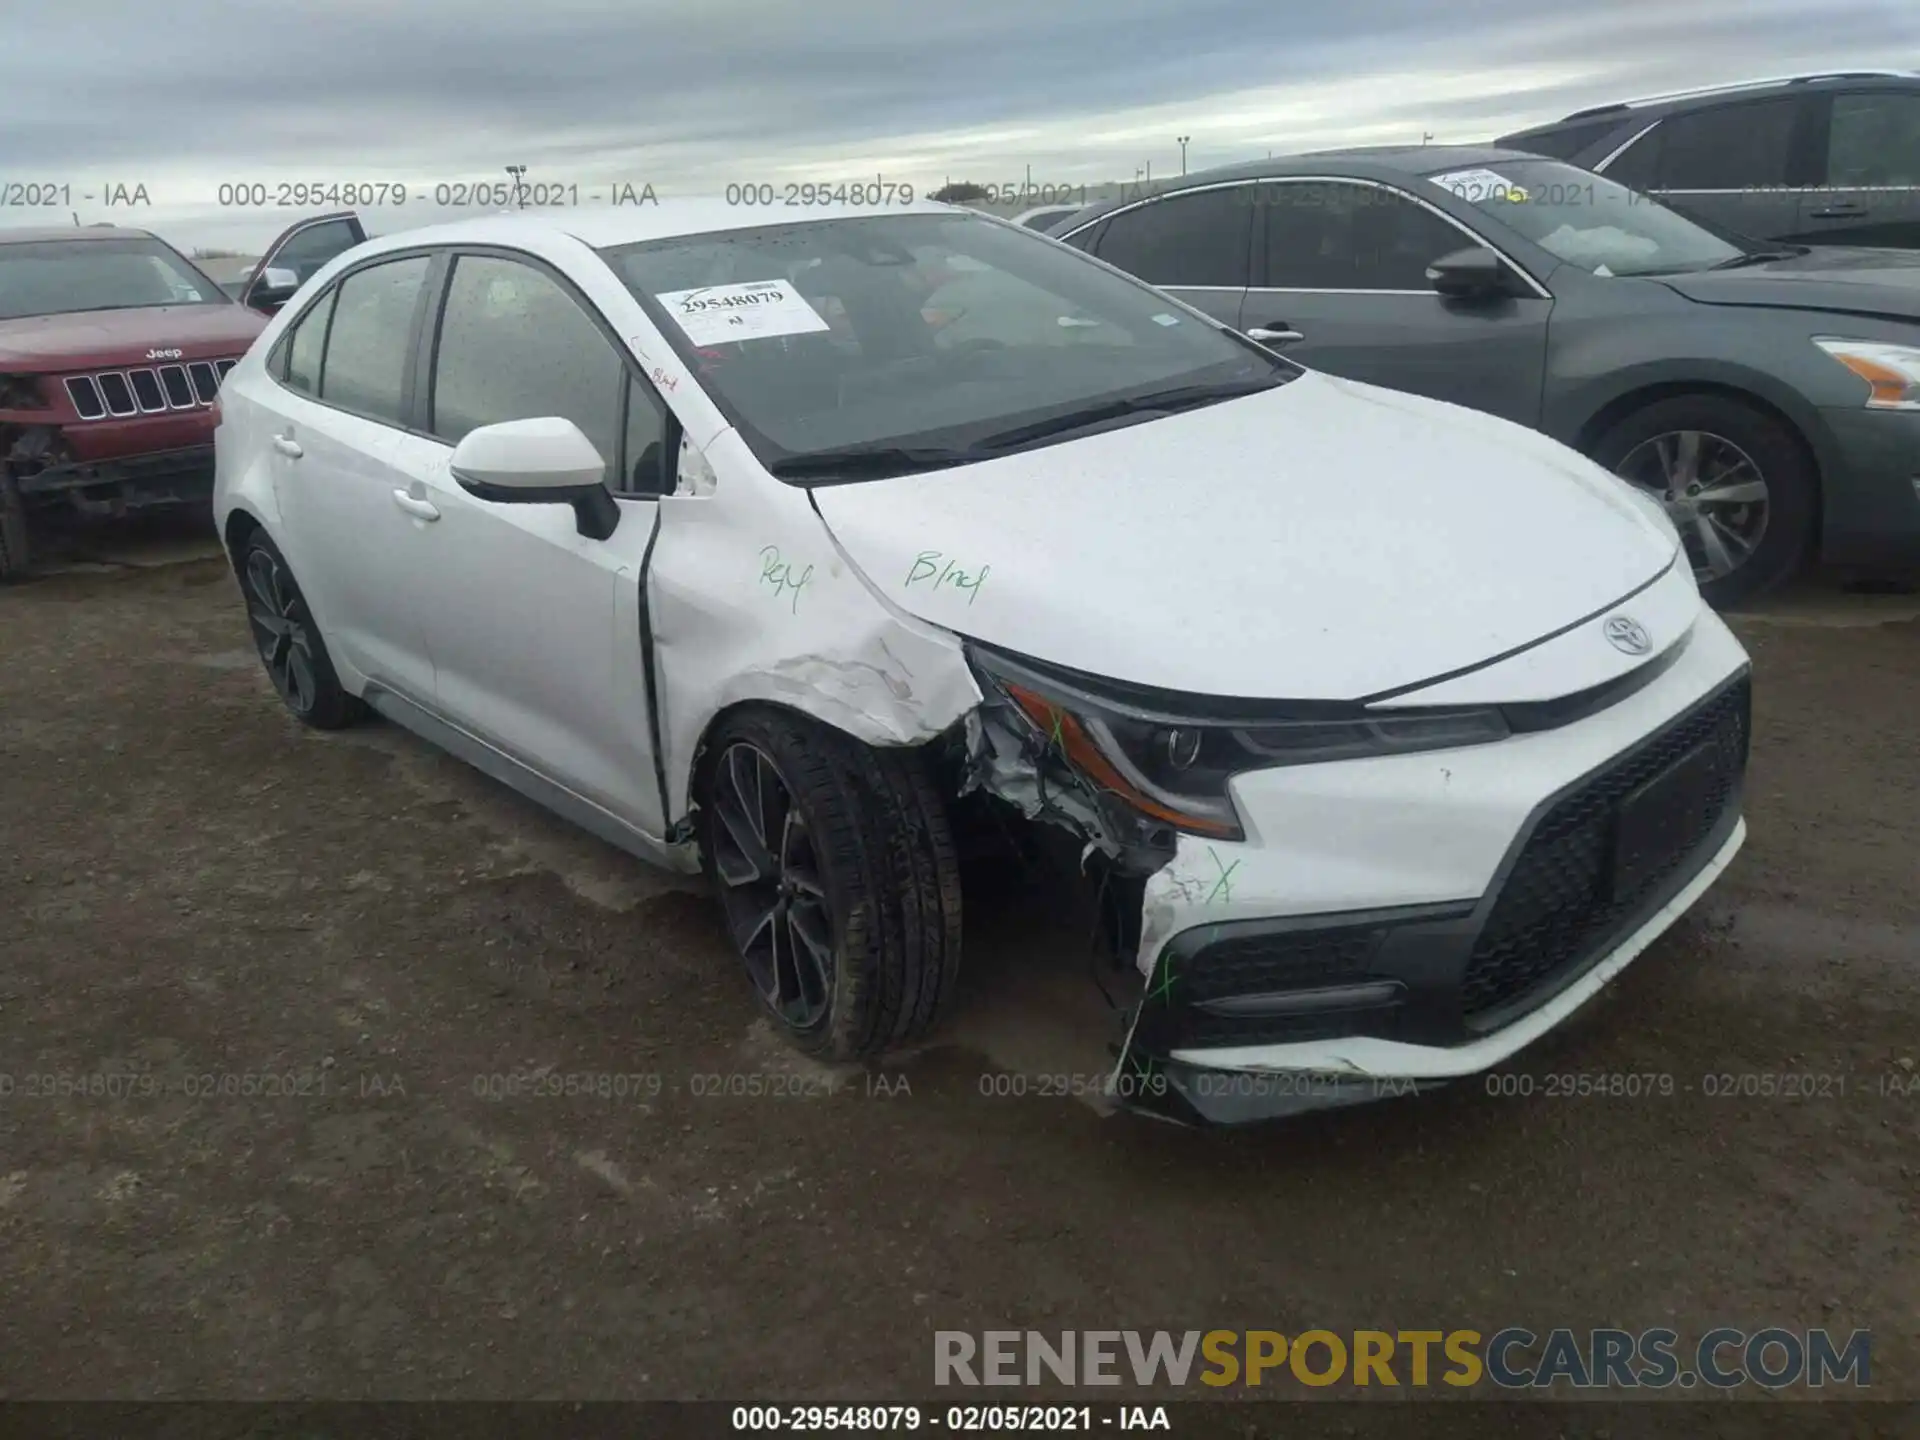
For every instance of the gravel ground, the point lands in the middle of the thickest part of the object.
(193, 887)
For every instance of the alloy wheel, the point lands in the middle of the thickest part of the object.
(281, 632)
(775, 902)
(1711, 489)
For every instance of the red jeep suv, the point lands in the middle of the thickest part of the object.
(112, 349)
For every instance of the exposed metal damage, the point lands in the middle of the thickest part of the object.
(1016, 755)
(1012, 758)
(38, 465)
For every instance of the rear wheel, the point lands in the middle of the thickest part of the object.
(1737, 483)
(289, 642)
(837, 878)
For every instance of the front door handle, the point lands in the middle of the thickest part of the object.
(288, 446)
(1275, 335)
(1845, 210)
(416, 506)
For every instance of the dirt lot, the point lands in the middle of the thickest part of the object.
(193, 887)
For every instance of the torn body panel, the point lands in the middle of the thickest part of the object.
(1007, 758)
(749, 600)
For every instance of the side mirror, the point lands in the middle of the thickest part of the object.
(538, 462)
(269, 289)
(1475, 273)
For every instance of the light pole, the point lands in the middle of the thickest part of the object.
(519, 172)
(1183, 139)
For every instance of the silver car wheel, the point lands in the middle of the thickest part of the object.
(1713, 492)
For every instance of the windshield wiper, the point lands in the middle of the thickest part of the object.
(1759, 257)
(869, 462)
(1158, 402)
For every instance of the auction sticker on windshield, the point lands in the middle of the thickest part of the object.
(758, 310)
(1480, 185)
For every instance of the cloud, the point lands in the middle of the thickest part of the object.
(693, 94)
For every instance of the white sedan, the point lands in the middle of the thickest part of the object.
(770, 546)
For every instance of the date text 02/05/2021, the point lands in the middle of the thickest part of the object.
(445, 194)
(991, 1419)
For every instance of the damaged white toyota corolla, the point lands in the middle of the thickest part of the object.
(779, 547)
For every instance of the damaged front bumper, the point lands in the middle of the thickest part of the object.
(1392, 923)
(43, 474)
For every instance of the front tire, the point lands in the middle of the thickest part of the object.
(1737, 482)
(289, 643)
(838, 880)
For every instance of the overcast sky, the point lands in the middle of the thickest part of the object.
(689, 95)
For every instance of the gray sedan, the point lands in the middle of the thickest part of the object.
(1768, 395)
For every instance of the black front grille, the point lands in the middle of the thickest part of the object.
(1225, 963)
(172, 387)
(173, 379)
(1560, 902)
(87, 403)
(118, 394)
(146, 389)
(206, 384)
(1267, 964)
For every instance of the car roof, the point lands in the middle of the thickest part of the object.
(631, 224)
(1391, 164)
(20, 235)
(1655, 107)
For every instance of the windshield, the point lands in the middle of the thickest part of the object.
(925, 336)
(58, 277)
(1588, 220)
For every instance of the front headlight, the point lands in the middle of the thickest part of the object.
(1892, 372)
(21, 392)
(1175, 767)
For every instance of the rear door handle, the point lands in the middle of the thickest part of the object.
(1275, 336)
(1846, 210)
(288, 446)
(415, 506)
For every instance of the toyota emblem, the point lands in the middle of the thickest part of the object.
(1628, 635)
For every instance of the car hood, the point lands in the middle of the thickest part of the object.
(1853, 281)
(123, 337)
(1323, 540)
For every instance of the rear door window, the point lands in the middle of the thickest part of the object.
(1874, 140)
(369, 341)
(306, 344)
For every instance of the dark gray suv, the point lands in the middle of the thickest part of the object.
(1822, 159)
(1769, 396)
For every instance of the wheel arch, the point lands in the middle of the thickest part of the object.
(234, 530)
(1589, 433)
(685, 781)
